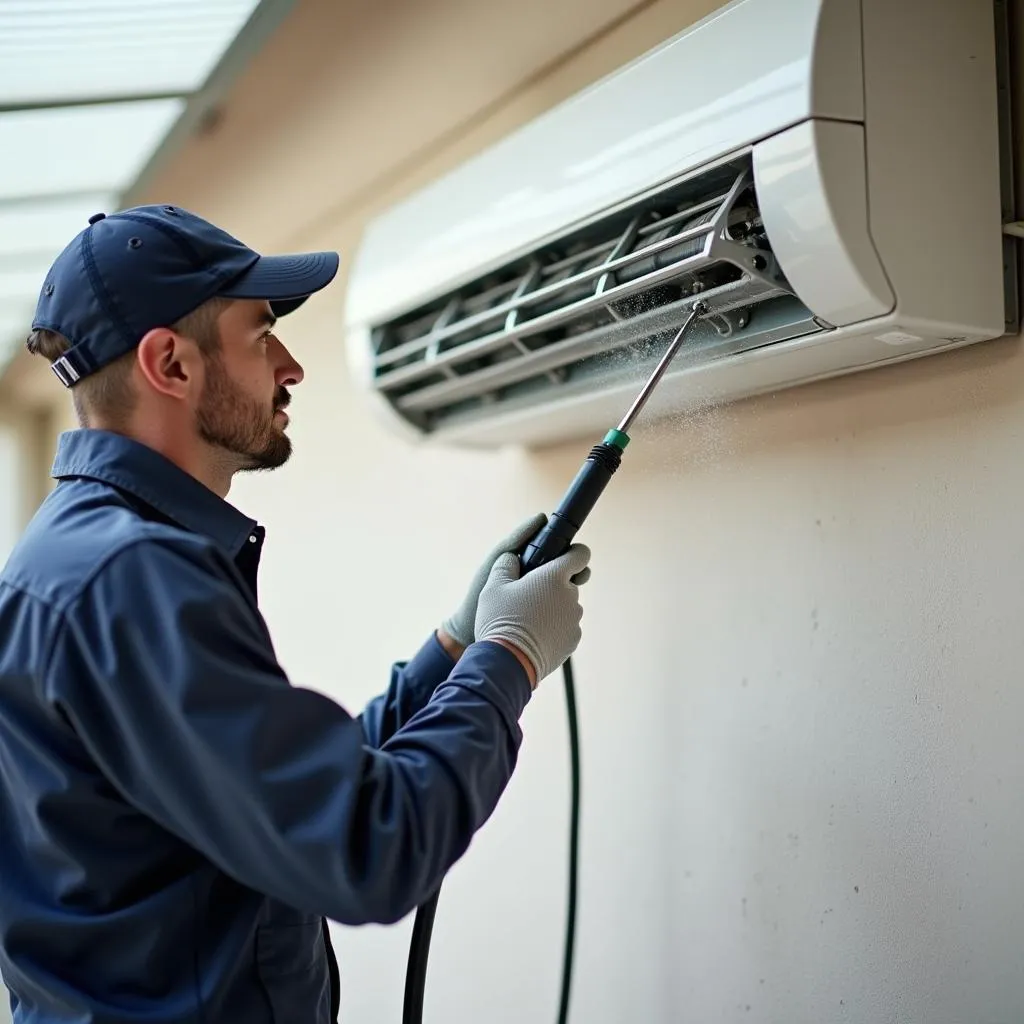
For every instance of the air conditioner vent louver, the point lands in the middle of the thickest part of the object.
(601, 299)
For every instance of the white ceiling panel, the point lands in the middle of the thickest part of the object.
(89, 90)
(15, 324)
(78, 149)
(18, 284)
(68, 49)
(47, 225)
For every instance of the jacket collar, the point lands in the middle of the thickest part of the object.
(146, 474)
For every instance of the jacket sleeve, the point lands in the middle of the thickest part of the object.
(167, 674)
(411, 685)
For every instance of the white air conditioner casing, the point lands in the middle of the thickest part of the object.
(826, 173)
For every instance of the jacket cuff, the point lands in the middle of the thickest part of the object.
(497, 674)
(429, 667)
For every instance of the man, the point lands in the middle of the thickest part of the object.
(177, 820)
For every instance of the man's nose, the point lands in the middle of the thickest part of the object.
(289, 371)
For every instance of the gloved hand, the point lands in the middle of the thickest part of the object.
(540, 613)
(460, 626)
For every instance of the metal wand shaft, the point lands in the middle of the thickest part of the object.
(699, 309)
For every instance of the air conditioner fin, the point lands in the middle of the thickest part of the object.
(601, 298)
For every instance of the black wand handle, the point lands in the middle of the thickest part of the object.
(564, 523)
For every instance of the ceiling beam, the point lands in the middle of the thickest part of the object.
(262, 24)
(89, 101)
(37, 198)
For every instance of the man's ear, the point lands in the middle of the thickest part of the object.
(169, 362)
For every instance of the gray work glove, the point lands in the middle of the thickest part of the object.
(461, 625)
(538, 613)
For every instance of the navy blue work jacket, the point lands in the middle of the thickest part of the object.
(177, 819)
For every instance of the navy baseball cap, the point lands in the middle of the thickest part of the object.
(148, 266)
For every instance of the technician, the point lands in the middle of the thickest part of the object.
(177, 820)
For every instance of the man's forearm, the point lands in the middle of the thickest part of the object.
(410, 687)
(413, 683)
(455, 650)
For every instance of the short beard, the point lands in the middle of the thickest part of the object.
(232, 421)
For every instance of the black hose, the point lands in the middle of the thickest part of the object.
(423, 926)
(416, 970)
(574, 839)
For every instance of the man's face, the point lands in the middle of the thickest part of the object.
(241, 409)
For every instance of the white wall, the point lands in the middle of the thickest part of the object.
(799, 679)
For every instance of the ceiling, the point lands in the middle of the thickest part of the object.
(94, 95)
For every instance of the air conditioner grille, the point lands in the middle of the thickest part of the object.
(599, 298)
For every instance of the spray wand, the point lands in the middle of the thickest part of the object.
(553, 540)
(557, 535)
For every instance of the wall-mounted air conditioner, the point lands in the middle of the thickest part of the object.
(825, 173)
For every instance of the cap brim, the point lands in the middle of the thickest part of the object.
(285, 281)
